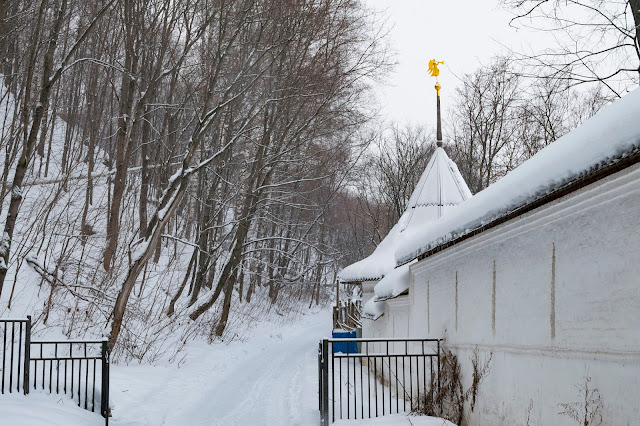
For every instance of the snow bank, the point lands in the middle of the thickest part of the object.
(373, 309)
(393, 284)
(611, 134)
(396, 420)
(37, 409)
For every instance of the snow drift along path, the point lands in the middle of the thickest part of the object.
(269, 380)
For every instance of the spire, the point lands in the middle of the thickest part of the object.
(439, 128)
(435, 72)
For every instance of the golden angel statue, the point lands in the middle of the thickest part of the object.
(433, 67)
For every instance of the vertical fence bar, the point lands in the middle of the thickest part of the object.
(325, 382)
(13, 338)
(375, 381)
(86, 379)
(347, 383)
(72, 367)
(340, 383)
(361, 388)
(104, 395)
(431, 383)
(417, 381)
(19, 357)
(382, 376)
(4, 353)
(50, 376)
(355, 388)
(397, 387)
(27, 355)
(404, 386)
(79, 379)
(55, 351)
(35, 374)
(93, 393)
(368, 380)
(424, 373)
(333, 385)
(390, 370)
(320, 378)
(438, 365)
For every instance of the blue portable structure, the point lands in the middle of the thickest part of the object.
(342, 346)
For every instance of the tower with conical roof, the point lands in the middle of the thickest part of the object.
(440, 188)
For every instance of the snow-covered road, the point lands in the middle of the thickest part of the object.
(270, 380)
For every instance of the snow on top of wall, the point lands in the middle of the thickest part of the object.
(394, 283)
(439, 189)
(373, 309)
(609, 135)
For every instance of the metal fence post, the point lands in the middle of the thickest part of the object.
(27, 355)
(438, 391)
(324, 414)
(104, 397)
(320, 377)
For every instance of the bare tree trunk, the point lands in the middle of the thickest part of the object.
(175, 298)
(248, 210)
(126, 124)
(29, 146)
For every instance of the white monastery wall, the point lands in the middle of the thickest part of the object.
(554, 295)
(369, 328)
(367, 291)
(398, 309)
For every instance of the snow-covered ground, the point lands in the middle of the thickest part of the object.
(271, 379)
(268, 379)
(38, 409)
(396, 420)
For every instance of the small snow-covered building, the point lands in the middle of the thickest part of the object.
(385, 287)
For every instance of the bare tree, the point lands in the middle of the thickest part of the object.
(49, 75)
(403, 157)
(482, 121)
(214, 137)
(597, 40)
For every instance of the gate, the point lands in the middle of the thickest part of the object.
(73, 367)
(384, 376)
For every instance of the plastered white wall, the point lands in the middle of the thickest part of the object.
(564, 305)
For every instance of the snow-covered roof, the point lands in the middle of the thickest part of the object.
(373, 309)
(608, 137)
(377, 264)
(439, 189)
(393, 284)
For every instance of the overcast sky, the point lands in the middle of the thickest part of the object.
(465, 34)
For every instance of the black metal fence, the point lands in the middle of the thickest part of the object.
(374, 377)
(78, 368)
(15, 355)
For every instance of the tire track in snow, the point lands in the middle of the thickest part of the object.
(277, 383)
(265, 381)
(275, 386)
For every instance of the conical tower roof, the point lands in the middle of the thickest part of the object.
(439, 189)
